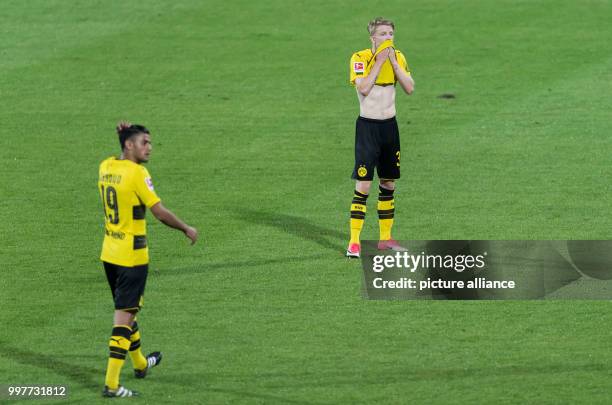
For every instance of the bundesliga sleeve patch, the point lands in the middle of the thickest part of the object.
(358, 67)
(149, 183)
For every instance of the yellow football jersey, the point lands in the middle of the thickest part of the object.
(127, 190)
(362, 62)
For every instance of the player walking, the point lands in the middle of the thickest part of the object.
(127, 191)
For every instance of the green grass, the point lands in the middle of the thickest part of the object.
(252, 120)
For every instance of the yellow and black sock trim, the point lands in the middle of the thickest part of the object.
(358, 205)
(135, 337)
(358, 212)
(118, 346)
(115, 347)
(139, 361)
(386, 204)
(117, 353)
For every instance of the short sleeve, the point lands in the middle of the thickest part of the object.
(144, 188)
(402, 61)
(357, 67)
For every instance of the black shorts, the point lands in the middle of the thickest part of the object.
(377, 145)
(127, 285)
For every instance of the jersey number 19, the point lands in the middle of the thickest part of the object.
(110, 205)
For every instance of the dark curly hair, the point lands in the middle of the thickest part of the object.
(125, 130)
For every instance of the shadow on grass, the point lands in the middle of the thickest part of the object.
(200, 382)
(297, 226)
(87, 377)
(327, 238)
(337, 378)
(206, 266)
(267, 398)
(232, 265)
(92, 378)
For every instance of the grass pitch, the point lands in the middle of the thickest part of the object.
(252, 120)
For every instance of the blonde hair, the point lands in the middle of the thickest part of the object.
(378, 21)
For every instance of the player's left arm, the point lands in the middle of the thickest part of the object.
(146, 193)
(400, 68)
(167, 217)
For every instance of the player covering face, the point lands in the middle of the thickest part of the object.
(375, 72)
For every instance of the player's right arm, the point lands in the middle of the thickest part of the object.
(168, 218)
(364, 84)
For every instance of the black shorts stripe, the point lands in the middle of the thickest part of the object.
(139, 211)
(140, 242)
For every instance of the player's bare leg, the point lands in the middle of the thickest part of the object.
(123, 318)
(363, 186)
